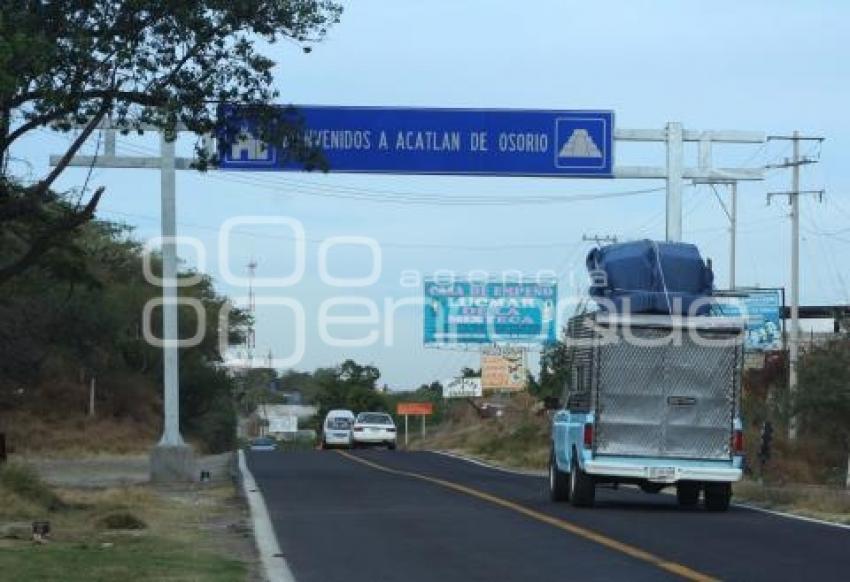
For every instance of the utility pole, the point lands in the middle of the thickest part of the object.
(608, 239)
(794, 199)
(250, 336)
(732, 214)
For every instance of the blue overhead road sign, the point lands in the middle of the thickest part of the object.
(396, 140)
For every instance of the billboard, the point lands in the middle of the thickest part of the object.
(762, 308)
(503, 369)
(475, 312)
(281, 424)
(423, 140)
(462, 388)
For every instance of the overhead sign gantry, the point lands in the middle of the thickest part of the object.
(403, 140)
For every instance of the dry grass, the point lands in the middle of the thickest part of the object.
(819, 502)
(78, 436)
(520, 438)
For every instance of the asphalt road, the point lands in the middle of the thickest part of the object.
(374, 516)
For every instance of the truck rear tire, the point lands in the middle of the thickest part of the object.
(718, 496)
(687, 493)
(582, 486)
(559, 482)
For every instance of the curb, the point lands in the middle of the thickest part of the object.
(275, 567)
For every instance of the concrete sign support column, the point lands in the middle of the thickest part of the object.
(172, 459)
(675, 157)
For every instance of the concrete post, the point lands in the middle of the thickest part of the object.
(733, 228)
(794, 343)
(171, 460)
(675, 171)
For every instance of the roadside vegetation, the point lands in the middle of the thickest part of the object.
(518, 438)
(68, 329)
(820, 455)
(71, 287)
(128, 533)
(819, 502)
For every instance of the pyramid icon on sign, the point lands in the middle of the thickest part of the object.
(580, 145)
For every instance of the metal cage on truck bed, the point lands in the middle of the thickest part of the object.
(659, 386)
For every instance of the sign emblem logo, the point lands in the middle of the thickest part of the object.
(581, 143)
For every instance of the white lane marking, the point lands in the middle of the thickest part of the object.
(775, 512)
(791, 515)
(480, 463)
(275, 567)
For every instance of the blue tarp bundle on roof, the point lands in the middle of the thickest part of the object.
(650, 277)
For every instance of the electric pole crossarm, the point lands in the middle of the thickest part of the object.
(793, 137)
(791, 193)
(790, 164)
(608, 239)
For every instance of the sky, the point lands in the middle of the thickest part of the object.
(770, 66)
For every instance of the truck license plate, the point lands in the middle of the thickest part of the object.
(665, 474)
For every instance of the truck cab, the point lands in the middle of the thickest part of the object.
(653, 401)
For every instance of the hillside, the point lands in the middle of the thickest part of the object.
(519, 438)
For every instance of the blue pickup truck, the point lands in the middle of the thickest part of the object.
(653, 401)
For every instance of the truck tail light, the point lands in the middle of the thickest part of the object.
(588, 436)
(738, 441)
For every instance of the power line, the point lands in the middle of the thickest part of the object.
(499, 247)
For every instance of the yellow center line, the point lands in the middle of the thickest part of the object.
(588, 534)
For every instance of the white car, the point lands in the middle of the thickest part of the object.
(374, 428)
(336, 430)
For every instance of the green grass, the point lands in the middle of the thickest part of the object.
(125, 533)
(25, 483)
(128, 558)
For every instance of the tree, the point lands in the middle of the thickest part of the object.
(349, 386)
(554, 371)
(353, 374)
(822, 400)
(59, 331)
(141, 64)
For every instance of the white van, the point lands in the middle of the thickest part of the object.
(336, 430)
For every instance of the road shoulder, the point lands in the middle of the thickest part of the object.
(275, 566)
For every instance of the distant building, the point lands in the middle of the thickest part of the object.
(281, 421)
(293, 396)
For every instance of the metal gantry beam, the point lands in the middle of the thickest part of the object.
(675, 171)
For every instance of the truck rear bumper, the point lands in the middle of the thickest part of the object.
(659, 472)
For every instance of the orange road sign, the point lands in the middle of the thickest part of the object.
(415, 408)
